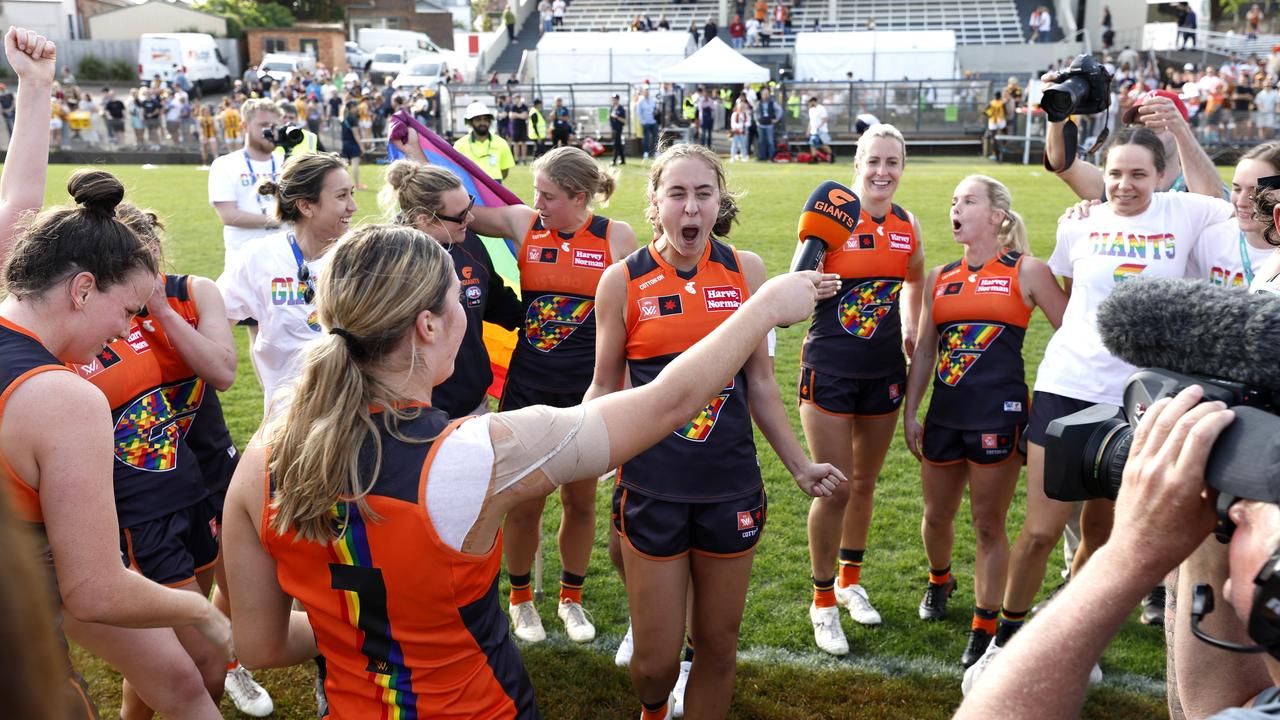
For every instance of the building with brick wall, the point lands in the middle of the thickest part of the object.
(415, 15)
(324, 40)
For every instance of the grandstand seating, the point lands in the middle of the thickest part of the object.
(993, 22)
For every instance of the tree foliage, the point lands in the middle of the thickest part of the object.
(241, 14)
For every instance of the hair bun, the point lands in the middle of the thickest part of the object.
(399, 172)
(269, 188)
(97, 191)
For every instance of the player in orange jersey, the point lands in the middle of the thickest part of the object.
(75, 280)
(853, 376)
(972, 324)
(328, 497)
(564, 249)
(690, 510)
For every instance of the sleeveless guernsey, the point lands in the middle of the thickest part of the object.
(979, 382)
(713, 457)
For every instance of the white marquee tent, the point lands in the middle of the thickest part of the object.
(715, 64)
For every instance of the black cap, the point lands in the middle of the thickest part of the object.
(1270, 182)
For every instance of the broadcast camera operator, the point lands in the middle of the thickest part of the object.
(234, 179)
(1191, 461)
(1084, 88)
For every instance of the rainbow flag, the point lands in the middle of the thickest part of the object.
(499, 341)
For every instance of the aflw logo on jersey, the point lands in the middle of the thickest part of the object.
(722, 298)
(652, 307)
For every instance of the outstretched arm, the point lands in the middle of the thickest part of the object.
(32, 58)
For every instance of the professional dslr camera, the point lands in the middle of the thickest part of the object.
(286, 136)
(1084, 89)
(1085, 452)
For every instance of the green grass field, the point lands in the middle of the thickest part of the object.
(904, 668)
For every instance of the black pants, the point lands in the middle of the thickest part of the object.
(619, 147)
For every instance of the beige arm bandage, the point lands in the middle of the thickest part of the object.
(564, 444)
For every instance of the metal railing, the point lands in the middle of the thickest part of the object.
(925, 108)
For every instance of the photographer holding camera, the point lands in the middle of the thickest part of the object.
(1163, 512)
(234, 179)
(1085, 88)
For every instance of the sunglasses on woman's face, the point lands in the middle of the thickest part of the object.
(462, 217)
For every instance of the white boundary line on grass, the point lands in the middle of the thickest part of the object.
(876, 665)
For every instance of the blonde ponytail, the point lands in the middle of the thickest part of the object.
(369, 296)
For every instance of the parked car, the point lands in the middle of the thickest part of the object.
(357, 58)
(196, 53)
(423, 71)
(388, 62)
(283, 66)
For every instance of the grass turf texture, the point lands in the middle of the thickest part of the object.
(904, 668)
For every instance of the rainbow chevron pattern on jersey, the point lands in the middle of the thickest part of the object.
(1128, 270)
(865, 305)
(961, 345)
(552, 318)
(149, 430)
(700, 427)
(365, 609)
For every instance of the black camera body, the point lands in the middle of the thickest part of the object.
(1085, 452)
(1084, 89)
(285, 136)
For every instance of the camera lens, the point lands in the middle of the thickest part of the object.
(1061, 99)
(1110, 455)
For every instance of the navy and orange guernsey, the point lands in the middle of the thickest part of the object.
(154, 472)
(713, 457)
(559, 273)
(207, 434)
(408, 626)
(858, 332)
(981, 318)
(23, 356)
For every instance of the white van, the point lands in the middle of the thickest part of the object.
(197, 53)
(414, 42)
(283, 66)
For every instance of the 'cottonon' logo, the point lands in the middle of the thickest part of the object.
(722, 298)
(959, 347)
(552, 318)
(864, 306)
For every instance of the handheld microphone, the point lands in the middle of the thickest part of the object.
(1192, 327)
(828, 217)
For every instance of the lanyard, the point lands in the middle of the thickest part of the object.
(253, 176)
(1245, 261)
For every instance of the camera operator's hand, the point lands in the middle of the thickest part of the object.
(1050, 77)
(1163, 510)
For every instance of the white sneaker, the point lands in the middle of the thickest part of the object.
(576, 623)
(854, 597)
(1095, 675)
(526, 623)
(827, 631)
(677, 694)
(975, 671)
(622, 658)
(249, 697)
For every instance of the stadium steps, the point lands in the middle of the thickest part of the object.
(974, 22)
(526, 39)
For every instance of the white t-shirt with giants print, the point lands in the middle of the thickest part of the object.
(261, 283)
(235, 177)
(1100, 251)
